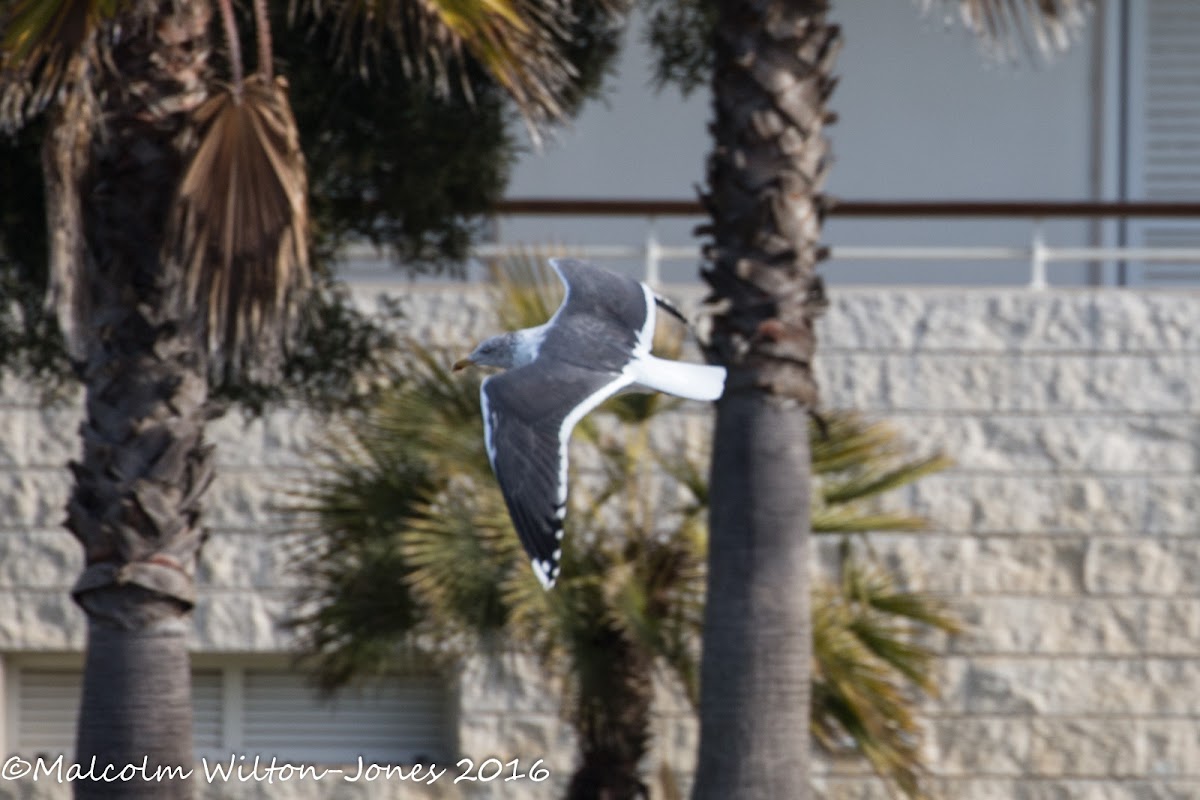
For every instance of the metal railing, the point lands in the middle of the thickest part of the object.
(1037, 253)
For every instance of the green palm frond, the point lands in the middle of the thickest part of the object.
(843, 519)
(519, 42)
(461, 552)
(849, 442)
(867, 661)
(39, 39)
(690, 475)
(856, 462)
(524, 289)
(352, 628)
(240, 223)
(879, 481)
(360, 491)
(664, 612)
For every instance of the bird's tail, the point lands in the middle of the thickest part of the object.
(680, 378)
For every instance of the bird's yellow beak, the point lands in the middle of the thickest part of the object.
(462, 363)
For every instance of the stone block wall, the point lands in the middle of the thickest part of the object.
(1068, 535)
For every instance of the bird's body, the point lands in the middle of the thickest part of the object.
(596, 345)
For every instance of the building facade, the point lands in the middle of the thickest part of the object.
(1067, 535)
(923, 114)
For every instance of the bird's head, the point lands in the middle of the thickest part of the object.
(495, 351)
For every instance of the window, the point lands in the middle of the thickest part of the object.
(1154, 90)
(248, 709)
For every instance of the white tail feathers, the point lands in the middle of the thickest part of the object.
(680, 378)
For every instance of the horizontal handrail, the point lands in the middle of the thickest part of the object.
(880, 253)
(1046, 209)
(1038, 253)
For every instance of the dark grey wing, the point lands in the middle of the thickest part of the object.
(603, 320)
(528, 416)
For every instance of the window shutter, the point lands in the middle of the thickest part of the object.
(46, 710)
(398, 719)
(1163, 125)
(395, 720)
(206, 712)
(48, 706)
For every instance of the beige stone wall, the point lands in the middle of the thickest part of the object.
(1068, 534)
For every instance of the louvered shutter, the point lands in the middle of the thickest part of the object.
(48, 706)
(395, 720)
(399, 719)
(207, 712)
(1163, 127)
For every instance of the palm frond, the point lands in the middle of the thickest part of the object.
(868, 657)
(240, 224)
(849, 442)
(845, 519)
(262, 29)
(38, 42)
(524, 289)
(347, 627)
(237, 72)
(66, 158)
(867, 661)
(689, 474)
(351, 629)
(881, 479)
(461, 551)
(855, 462)
(1011, 29)
(519, 42)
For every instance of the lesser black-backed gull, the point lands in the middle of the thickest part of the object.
(596, 344)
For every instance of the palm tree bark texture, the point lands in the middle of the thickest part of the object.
(771, 81)
(135, 507)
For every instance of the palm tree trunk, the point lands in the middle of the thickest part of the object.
(612, 718)
(137, 701)
(770, 84)
(135, 506)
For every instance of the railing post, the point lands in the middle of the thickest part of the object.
(653, 254)
(1037, 257)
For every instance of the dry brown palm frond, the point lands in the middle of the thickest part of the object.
(38, 41)
(519, 42)
(237, 72)
(240, 222)
(262, 29)
(65, 159)
(1010, 29)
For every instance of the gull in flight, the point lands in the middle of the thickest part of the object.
(596, 344)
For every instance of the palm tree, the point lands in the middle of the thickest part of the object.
(411, 543)
(178, 254)
(772, 75)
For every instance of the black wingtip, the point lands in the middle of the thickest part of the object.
(670, 308)
(546, 571)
